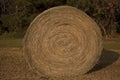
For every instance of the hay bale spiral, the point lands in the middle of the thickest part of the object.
(62, 41)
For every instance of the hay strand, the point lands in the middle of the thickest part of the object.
(62, 41)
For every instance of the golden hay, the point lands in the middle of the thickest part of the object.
(62, 41)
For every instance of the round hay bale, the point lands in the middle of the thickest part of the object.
(62, 41)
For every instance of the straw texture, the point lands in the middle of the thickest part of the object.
(62, 41)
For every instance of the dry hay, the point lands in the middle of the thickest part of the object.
(63, 41)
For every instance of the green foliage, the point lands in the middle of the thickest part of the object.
(18, 14)
(9, 21)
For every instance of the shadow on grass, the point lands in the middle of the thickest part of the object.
(107, 58)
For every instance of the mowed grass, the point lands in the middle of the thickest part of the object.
(11, 43)
(115, 45)
(13, 65)
(18, 43)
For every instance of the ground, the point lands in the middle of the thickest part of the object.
(13, 65)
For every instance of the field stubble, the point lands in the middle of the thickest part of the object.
(13, 65)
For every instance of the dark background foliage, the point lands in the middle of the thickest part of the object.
(16, 15)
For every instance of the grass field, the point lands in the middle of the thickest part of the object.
(13, 65)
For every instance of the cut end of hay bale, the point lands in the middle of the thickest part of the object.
(62, 41)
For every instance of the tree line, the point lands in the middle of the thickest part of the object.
(16, 15)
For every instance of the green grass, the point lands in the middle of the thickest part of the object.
(17, 43)
(19, 34)
(10, 43)
(112, 44)
(11, 40)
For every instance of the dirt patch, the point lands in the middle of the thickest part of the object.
(13, 66)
